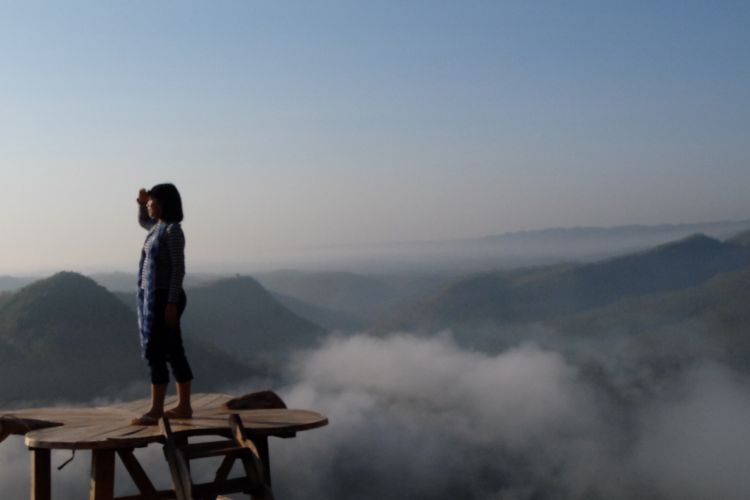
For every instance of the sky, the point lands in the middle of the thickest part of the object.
(296, 125)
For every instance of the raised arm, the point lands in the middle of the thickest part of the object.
(176, 246)
(144, 220)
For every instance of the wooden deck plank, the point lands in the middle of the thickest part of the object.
(217, 400)
(199, 401)
(83, 436)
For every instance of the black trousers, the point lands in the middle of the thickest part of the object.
(165, 344)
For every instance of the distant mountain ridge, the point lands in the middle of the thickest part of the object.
(126, 282)
(329, 319)
(718, 230)
(10, 283)
(502, 297)
(513, 249)
(742, 239)
(356, 294)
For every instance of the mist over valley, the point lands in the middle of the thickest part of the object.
(623, 377)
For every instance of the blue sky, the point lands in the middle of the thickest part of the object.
(296, 124)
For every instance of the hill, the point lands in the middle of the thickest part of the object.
(501, 298)
(363, 297)
(327, 318)
(240, 316)
(742, 239)
(707, 320)
(65, 337)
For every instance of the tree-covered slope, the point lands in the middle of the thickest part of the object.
(65, 337)
(242, 317)
(501, 298)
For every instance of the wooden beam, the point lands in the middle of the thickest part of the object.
(261, 444)
(141, 480)
(102, 485)
(41, 480)
(222, 473)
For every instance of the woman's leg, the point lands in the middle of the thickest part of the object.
(152, 416)
(183, 408)
(181, 369)
(156, 355)
(158, 393)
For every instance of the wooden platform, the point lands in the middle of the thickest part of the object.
(107, 430)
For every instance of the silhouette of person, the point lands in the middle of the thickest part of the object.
(162, 300)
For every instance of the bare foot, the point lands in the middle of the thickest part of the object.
(150, 418)
(178, 412)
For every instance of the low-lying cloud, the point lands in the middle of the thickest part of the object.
(417, 417)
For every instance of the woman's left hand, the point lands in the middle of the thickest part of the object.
(171, 316)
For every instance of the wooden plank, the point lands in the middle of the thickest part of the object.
(102, 485)
(216, 400)
(57, 437)
(79, 437)
(115, 432)
(15, 425)
(41, 480)
(270, 422)
(199, 401)
(94, 435)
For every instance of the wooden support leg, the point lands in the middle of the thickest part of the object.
(141, 480)
(182, 441)
(41, 481)
(102, 486)
(261, 444)
(222, 473)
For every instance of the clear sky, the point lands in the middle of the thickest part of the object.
(295, 124)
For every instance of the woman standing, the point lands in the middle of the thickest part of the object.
(161, 300)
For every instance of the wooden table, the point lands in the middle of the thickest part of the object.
(107, 432)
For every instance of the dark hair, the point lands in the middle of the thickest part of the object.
(169, 201)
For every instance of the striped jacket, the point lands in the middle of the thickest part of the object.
(170, 258)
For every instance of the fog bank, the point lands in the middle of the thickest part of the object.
(421, 418)
(416, 417)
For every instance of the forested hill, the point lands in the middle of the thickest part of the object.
(240, 316)
(707, 320)
(501, 298)
(65, 337)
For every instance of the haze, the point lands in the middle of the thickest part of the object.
(299, 126)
